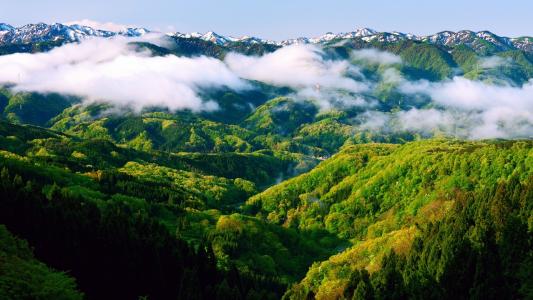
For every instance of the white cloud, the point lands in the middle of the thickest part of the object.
(296, 66)
(333, 99)
(425, 120)
(108, 26)
(392, 75)
(304, 68)
(110, 70)
(376, 56)
(374, 121)
(483, 110)
(467, 94)
(494, 62)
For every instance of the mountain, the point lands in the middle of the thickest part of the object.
(220, 39)
(41, 32)
(362, 170)
(6, 27)
(374, 218)
(479, 41)
(482, 41)
(388, 198)
(476, 40)
(208, 36)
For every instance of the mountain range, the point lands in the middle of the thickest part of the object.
(359, 165)
(42, 32)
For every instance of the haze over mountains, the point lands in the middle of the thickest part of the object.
(463, 84)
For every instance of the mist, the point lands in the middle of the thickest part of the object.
(484, 110)
(494, 62)
(111, 70)
(376, 56)
(460, 108)
(114, 71)
(306, 69)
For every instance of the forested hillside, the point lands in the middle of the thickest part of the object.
(369, 203)
(363, 165)
(393, 198)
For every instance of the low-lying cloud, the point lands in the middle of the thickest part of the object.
(296, 66)
(111, 70)
(376, 56)
(494, 62)
(305, 69)
(462, 108)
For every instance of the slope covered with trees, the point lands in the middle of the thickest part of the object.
(362, 220)
(481, 249)
(141, 215)
(24, 277)
(387, 197)
(288, 192)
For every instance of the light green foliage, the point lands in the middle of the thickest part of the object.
(256, 246)
(361, 184)
(177, 189)
(466, 58)
(328, 134)
(214, 191)
(481, 237)
(280, 116)
(278, 186)
(423, 60)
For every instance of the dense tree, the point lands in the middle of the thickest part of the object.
(114, 252)
(24, 277)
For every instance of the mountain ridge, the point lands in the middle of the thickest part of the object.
(74, 33)
(365, 165)
(42, 32)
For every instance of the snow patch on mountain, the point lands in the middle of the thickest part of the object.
(41, 32)
(479, 41)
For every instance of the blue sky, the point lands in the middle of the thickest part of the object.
(276, 19)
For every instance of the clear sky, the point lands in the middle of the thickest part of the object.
(280, 19)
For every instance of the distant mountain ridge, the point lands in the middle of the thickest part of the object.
(42, 32)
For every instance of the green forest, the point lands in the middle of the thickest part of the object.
(371, 220)
(270, 196)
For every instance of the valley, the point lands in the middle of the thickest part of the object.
(361, 165)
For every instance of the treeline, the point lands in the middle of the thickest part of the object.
(483, 249)
(115, 252)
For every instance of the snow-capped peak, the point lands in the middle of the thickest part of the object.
(475, 40)
(329, 36)
(360, 32)
(215, 38)
(6, 27)
(40, 32)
